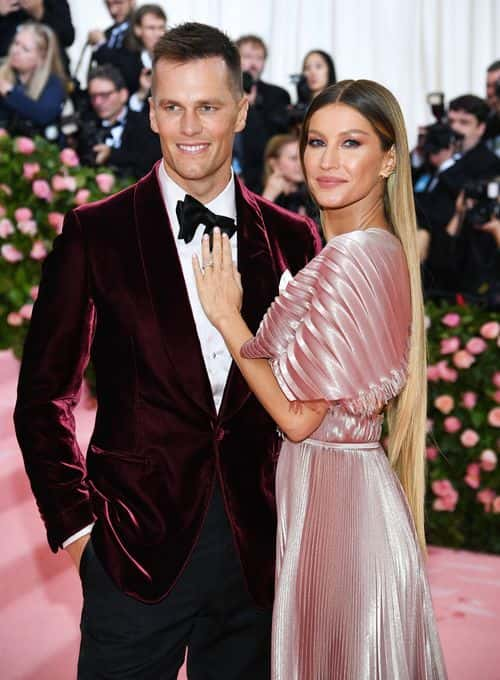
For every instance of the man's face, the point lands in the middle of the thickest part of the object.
(491, 80)
(106, 100)
(467, 125)
(150, 30)
(253, 59)
(196, 112)
(120, 9)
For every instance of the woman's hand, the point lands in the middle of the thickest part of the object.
(217, 279)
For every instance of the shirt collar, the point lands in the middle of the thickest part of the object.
(223, 204)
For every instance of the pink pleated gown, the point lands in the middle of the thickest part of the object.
(352, 596)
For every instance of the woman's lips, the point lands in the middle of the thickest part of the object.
(327, 182)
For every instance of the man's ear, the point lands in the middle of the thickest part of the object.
(124, 95)
(241, 119)
(152, 115)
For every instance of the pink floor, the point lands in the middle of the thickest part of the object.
(40, 595)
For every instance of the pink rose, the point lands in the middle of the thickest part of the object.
(496, 379)
(41, 189)
(431, 453)
(3, 132)
(2, 211)
(472, 476)
(69, 157)
(469, 399)
(429, 424)
(462, 359)
(442, 487)
(496, 505)
(25, 145)
(28, 227)
(6, 228)
(63, 183)
(38, 251)
(14, 319)
(496, 396)
(105, 182)
(476, 345)
(30, 170)
(82, 196)
(490, 330)
(445, 372)
(26, 311)
(444, 403)
(433, 373)
(23, 214)
(55, 220)
(494, 417)
(452, 424)
(469, 438)
(34, 292)
(452, 320)
(486, 497)
(449, 345)
(447, 495)
(10, 253)
(488, 460)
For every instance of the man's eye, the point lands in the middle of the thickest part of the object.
(207, 107)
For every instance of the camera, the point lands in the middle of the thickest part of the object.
(247, 80)
(485, 195)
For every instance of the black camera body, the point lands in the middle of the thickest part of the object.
(485, 194)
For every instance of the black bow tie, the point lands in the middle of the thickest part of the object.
(192, 213)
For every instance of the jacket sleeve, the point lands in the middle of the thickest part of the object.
(55, 356)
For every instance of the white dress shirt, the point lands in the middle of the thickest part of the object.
(215, 353)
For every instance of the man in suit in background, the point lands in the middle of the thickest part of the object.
(177, 489)
(113, 134)
(267, 113)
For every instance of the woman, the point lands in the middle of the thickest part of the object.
(319, 71)
(32, 81)
(342, 344)
(283, 178)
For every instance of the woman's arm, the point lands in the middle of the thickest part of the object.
(220, 293)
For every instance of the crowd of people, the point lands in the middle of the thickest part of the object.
(456, 163)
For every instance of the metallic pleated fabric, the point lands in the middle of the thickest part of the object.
(352, 596)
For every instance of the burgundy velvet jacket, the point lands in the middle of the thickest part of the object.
(113, 288)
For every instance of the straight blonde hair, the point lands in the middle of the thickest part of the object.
(406, 413)
(47, 45)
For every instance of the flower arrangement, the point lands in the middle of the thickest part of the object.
(463, 498)
(39, 183)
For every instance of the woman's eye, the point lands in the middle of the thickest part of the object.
(314, 142)
(351, 143)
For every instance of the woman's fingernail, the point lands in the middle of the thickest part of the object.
(216, 230)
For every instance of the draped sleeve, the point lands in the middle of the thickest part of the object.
(340, 330)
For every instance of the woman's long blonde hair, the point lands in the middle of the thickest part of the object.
(48, 47)
(273, 149)
(406, 413)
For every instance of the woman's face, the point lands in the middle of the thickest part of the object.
(316, 72)
(24, 53)
(343, 159)
(288, 163)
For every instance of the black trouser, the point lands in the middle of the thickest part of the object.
(208, 611)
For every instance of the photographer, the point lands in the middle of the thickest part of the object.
(267, 113)
(492, 134)
(113, 135)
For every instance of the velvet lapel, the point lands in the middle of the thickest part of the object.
(168, 292)
(260, 281)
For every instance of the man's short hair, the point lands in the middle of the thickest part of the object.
(471, 104)
(495, 66)
(191, 41)
(253, 40)
(108, 72)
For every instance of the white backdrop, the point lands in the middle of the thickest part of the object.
(411, 46)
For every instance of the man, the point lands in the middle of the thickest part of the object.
(110, 45)
(492, 134)
(267, 114)
(179, 477)
(114, 135)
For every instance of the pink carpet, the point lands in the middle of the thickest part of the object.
(40, 595)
